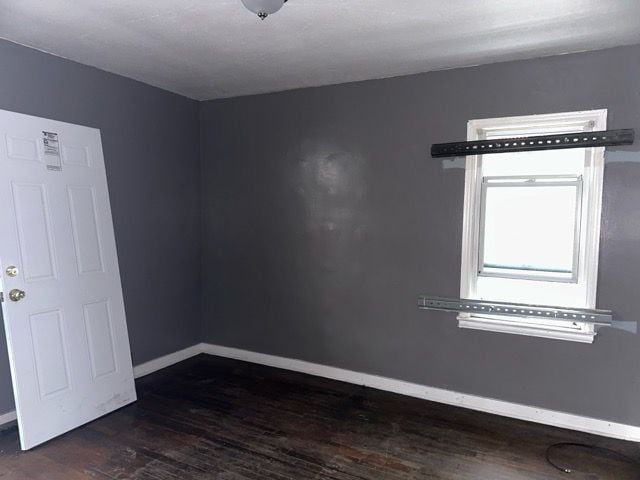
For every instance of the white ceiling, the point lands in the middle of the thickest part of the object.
(215, 48)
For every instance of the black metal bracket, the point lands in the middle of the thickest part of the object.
(605, 138)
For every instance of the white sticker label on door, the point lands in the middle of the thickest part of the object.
(51, 151)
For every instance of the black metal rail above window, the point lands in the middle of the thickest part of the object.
(605, 138)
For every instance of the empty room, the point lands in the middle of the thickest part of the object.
(313, 239)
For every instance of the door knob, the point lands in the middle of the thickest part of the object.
(16, 295)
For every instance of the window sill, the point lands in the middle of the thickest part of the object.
(508, 325)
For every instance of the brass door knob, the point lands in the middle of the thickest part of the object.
(16, 295)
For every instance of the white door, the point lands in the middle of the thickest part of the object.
(67, 336)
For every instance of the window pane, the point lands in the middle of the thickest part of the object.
(548, 162)
(530, 229)
(542, 162)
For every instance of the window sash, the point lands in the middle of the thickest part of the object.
(532, 181)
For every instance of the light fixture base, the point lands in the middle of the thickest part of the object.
(263, 8)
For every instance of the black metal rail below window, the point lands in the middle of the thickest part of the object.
(605, 138)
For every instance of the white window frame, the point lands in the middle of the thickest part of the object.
(530, 181)
(592, 185)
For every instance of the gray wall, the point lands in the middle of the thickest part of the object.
(150, 142)
(324, 217)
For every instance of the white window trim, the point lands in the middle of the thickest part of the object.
(593, 181)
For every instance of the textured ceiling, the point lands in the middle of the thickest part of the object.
(215, 48)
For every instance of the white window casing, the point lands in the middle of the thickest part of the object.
(577, 289)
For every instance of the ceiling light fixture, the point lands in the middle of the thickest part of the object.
(263, 8)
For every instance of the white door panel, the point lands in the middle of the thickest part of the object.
(67, 338)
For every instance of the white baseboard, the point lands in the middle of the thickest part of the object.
(473, 402)
(166, 361)
(7, 418)
(138, 371)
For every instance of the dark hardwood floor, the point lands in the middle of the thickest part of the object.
(211, 418)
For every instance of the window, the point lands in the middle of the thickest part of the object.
(532, 224)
